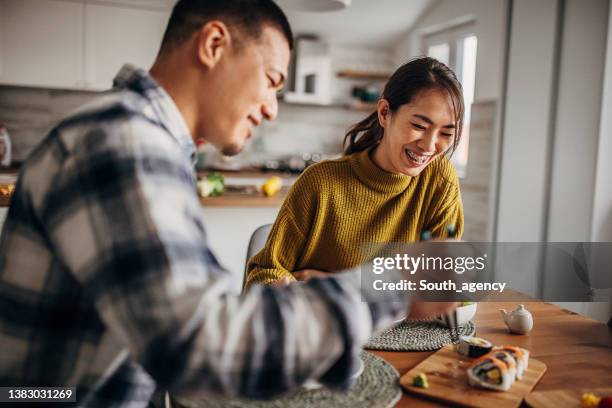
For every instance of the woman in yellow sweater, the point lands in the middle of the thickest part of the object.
(393, 184)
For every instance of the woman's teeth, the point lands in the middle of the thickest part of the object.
(417, 157)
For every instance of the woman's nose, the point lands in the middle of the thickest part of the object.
(428, 142)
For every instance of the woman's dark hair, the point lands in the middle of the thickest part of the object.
(412, 78)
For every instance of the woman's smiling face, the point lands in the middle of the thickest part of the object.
(416, 133)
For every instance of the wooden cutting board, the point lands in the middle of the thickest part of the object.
(562, 398)
(448, 382)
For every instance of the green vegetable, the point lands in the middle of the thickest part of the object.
(467, 303)
(420, 381)
(212, 186)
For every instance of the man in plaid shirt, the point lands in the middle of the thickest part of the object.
(107, 282)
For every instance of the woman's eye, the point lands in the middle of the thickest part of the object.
(418, 126)
(447, 134)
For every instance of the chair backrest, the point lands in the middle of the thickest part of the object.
(256, 243)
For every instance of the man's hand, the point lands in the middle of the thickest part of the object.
(306, 274)
(421, 310)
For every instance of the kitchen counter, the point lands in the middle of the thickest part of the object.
(237, 199)
(243, 189)
(253, 198)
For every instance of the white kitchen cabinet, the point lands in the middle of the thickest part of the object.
(41, 43)
(229, 230)
(115, 35)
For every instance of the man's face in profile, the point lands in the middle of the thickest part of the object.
(248, 82)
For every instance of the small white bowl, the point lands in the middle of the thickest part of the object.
(458, 317)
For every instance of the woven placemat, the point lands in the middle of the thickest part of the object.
(377, 387)
(418, 335)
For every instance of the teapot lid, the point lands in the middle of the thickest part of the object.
(520, 310)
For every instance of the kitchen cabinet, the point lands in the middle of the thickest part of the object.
(229, 230)
(115, 35)
(77, 44)
(41, 43)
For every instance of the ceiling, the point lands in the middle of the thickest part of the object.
(379, 23)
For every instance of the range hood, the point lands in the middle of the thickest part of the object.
(310, 73)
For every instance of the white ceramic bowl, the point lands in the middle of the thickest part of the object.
(458, 317)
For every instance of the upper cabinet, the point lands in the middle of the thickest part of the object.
(115, 35)
(41, 43)
(77, 44)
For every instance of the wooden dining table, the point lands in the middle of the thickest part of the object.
(576, 349)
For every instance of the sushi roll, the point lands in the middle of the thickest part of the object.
(507, 359)
(473, 346)
(520, 355)
(491, 373)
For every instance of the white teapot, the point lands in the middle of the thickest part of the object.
(519, 320)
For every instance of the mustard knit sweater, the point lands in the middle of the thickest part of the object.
(336, 206)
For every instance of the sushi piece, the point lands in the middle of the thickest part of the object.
(520, 355)
(473, 346)
(507, 359)
(491, 373)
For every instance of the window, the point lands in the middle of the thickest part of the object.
(456, 47)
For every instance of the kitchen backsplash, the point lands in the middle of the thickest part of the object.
(29, 113)
(298, 129)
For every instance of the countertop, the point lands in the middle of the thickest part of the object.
(230, 198)
(236, 199)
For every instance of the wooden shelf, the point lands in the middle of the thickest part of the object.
(314, 105)
(372, 76)
(353, 106)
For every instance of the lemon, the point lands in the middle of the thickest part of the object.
(272, 186)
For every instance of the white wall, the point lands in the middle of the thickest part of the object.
(576, 131)
(528, 103)
(489, 17)
(601, 229)
(554, 166)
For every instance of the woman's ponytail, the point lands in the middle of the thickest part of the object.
(363, 135)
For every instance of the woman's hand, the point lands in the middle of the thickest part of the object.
(307, 274)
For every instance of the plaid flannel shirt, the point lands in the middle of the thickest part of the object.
(107, 282)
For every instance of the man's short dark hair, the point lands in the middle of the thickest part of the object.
(246, 18)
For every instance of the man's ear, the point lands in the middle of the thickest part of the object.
(214, 40)
(383, 112)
